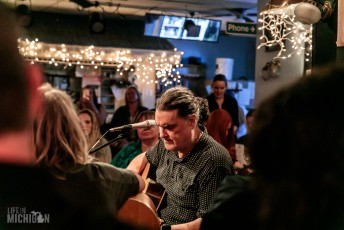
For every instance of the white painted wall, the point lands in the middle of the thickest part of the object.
(291, 68)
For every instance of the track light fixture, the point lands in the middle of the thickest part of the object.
(85, 3)
(23, 12)
(97, 23)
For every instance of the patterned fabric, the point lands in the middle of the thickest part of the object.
(127, 154)
(190, 182)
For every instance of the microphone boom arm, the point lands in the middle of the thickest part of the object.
(106, 144)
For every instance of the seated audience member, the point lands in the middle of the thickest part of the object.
(61, 146)
(242, 129)
(244, 168)
(91, 129)
(221, 128)
(294, 187)
(249, 123)
(124, 115)
(27, 192)
(148, 137)
(189, 163)
(88, 100)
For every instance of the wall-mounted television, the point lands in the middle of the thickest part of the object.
(178, 27)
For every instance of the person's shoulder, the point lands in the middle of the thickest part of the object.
(158, 150)
(107, 175)
(232, 185)
(132, 145)
(211, 144)
(242, 139)
(101, 166)
(143, 108)
(130, 148)
(210, 96)
(111, 170)
(237, 181)
(123, 107)
(230, 98)
(98, 171)
(214, 150)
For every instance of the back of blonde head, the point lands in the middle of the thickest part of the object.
(58, 137)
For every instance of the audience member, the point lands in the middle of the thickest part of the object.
(88, 100)
(297, 155)
(148, 137)
(219, 100)
(242, 129)
(241, 84)
(220, 127)
(190, 164)
(91, 129)
(61, 146)
(249, 123)
(243, 165)
(27, 191)
(127, 114)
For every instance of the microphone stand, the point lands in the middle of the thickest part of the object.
(125, 132)
(106, 144)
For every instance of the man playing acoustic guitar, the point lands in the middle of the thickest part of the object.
(189, 163)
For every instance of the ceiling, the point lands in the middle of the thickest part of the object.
(224, 10)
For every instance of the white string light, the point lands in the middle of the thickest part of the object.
(279, 27)
(162, 64)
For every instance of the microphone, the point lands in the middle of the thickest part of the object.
(143, 124)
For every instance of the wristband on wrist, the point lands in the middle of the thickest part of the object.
(165, 227)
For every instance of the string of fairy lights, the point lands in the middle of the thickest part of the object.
(279, 27)
(149, 66)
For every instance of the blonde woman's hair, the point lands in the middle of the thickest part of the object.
(95, 132)
(94, 136)
(58, 137)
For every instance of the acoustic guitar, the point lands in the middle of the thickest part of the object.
(142, 209)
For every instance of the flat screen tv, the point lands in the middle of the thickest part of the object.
(177, 27)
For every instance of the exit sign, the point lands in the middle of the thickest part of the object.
(241, 28)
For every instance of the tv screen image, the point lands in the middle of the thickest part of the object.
(177, 27)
